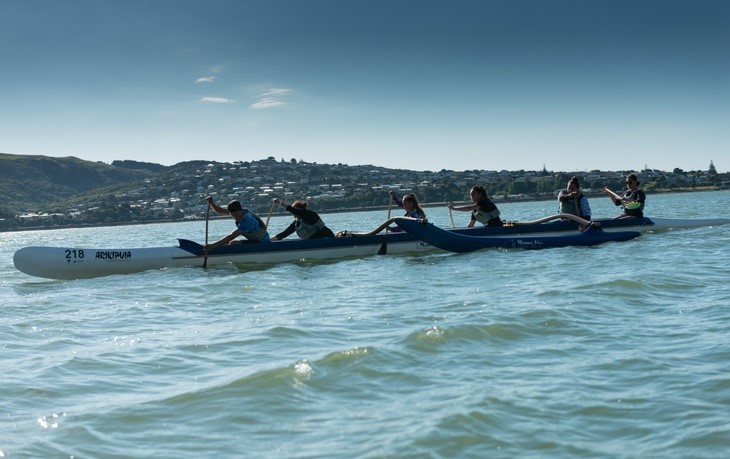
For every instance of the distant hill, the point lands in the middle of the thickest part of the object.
(138, 165)
(36, 181)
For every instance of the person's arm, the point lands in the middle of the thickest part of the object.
(585, 207)
(225, 241)
(292, 210)
(286, 206)
(617, 200)
(396, 200)
(564, 196)
(289, 229)
(469, 208)
(279, 202)
(376, 230)
(309, 216)
(216, 207)
(380, 228)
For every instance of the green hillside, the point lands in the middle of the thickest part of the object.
(30, 182)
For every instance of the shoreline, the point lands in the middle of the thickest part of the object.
(334, 211)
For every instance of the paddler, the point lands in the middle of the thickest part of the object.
(632, 200)
(307, 223)
(483, 210)
(572, 200)
(248, 225)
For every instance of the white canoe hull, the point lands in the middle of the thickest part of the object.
(77, 263)
(80, 263)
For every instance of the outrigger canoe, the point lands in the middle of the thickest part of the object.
(78, 263)
(457, 242)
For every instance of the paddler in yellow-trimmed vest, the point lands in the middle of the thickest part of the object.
(632, 200)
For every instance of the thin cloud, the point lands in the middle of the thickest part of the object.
(208, 79)
(217, 100)
(263, 104)
(270, 98)
(274, 92)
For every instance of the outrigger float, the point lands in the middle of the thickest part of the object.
(78, 263)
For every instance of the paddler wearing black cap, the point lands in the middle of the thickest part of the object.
(248, 225)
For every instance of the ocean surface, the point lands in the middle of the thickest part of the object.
(615, 351)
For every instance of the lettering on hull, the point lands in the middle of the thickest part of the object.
(113, 255)
(529, 243)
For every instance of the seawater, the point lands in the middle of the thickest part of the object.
(619, 350)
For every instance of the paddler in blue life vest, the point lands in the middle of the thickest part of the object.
(632, 200)
(572, 201)
(307, 223)
(248, 225)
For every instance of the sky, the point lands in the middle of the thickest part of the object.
(569, 85)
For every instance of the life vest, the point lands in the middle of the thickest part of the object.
(258, 234)
(634, 207)
(571, 206)
(568, 207)
(484, 217)
(306, 230)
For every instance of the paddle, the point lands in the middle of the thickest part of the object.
(271, 211)
(390, 204)
(614, 195)
(384, 246)
(207, 215)
(451, 215)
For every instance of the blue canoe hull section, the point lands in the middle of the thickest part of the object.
(456, 242)
(384, 239)
(297, 245)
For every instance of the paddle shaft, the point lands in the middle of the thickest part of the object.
(614, 195)
(451, 216)
(271, 211)
(384, 246)
(390, 205)
(207, 218)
